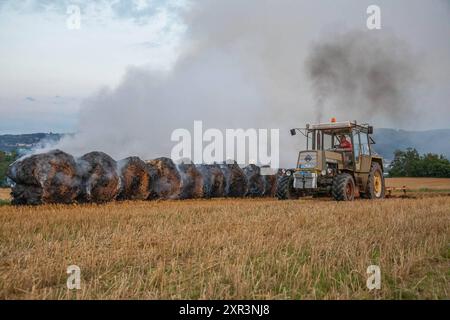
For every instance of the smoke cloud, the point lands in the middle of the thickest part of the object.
(364, 74)
(251, 64)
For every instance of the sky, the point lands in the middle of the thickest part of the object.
(51, 77)
(47, 69)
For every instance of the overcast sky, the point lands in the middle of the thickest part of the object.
(48, 70)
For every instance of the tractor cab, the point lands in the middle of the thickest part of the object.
(345, 141)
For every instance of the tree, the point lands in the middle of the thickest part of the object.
(5, 160)
(410, 164)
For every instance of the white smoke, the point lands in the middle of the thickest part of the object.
(242, 65)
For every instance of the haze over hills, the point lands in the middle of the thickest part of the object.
(24, 142)
(387, 141)
(430, 141)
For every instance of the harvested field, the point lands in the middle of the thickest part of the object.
(5, 194)
(227, 248)
(420, 184)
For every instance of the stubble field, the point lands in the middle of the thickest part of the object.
(421, 184)
(228, 249)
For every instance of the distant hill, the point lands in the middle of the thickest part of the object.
(24, 142)
(431, 141)
(387, 141)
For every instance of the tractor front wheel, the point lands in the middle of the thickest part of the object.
(343, 187)
(285, 188)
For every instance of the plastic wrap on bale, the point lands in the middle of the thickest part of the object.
(45, 178)
(167, 184)
(100, 181)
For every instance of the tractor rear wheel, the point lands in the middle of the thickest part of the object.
(343, 187)
(375, 183)
(285, 188)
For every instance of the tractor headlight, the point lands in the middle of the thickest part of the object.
(324, 172)
(330, 171)
(288, 173)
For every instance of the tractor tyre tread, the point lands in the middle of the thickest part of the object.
(339, 187)
(370, 192)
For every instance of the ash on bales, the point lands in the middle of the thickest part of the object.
(213, 180)
(168, 182)
(255, 183)
(191, 181)
(235, 180)
(100, 181)
(57, 177)
(260, 185)
(270, 185)
(45, 178)
(137, 179)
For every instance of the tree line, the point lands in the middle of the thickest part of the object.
(410, 163)
(5, 160)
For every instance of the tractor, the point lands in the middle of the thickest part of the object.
(339, 161)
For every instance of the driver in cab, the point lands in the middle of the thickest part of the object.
(344, 143)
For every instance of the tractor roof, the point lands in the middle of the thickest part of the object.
(331, 125)
(345, 125)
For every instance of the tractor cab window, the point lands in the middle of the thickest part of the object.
(327, 141)
(330, 140)
(323, 140)
(365, 148)
(356, 144)
(371, 143)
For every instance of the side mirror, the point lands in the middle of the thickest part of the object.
(370, 130)
(293, 132)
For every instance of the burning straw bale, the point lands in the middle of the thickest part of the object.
(56, 177)
(236, 181)
(136, 179)
(213, 180)
(45, 178)
(270, 185)
(100, 181)
(256, 183)
(191, 181)
(167, 184)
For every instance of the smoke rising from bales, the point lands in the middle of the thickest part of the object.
(250, 64)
